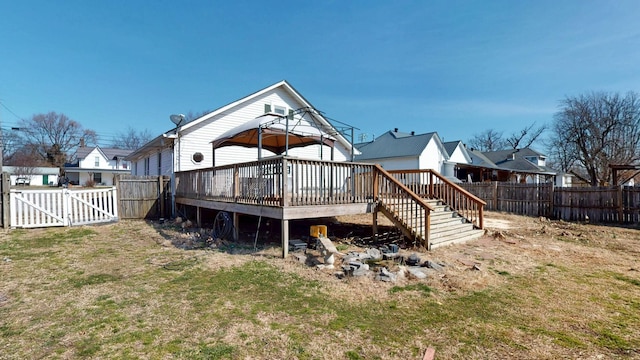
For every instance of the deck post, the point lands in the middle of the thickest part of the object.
(427, 229)
(431, 187)
(375, 184)
(375, 221)
(236, 183)
(284, 196)
(236, 226)
(285, 238)
(198, 216)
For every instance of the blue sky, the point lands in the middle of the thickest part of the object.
(455, 67)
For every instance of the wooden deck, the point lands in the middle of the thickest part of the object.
(287, 188)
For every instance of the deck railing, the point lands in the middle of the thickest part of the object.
(280, 181)
(404, 205)
(431, 185)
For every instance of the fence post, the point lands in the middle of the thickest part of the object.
(552, 201)
(66, 206)
(495, 196)
(620, 205)
(116, 183)
(161, 195)
(5, 187)
(114, 198)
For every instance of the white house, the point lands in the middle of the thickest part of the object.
(26, 175)
(189, 146)
(396, 150)
(100, 165)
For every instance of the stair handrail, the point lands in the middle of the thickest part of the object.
(389, 191)
(457, 198)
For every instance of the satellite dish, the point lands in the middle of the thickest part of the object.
(177, 119)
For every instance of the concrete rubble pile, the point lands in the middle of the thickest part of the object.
(375, 262)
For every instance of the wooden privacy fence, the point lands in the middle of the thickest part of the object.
(144, 197)
(598, 204)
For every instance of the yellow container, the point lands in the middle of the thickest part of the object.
(318, 231)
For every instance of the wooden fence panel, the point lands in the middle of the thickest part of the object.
(612, 204)
(599, 204)
(485, 191)
(143, 197)
(631, 204)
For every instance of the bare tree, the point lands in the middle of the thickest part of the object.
(488, 140)
(526, 137)
(11, 143)
(595, 130)
(54, 136)
(131, 139)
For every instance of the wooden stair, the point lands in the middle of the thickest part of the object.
(428, 208)
(446, 226)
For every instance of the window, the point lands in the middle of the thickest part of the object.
(277, 109)
(280, 110)
(97, 178)
(159, 163)
(97, 163)
(146, 166)
(197, 157)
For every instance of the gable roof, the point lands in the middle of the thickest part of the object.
(291, 91)
(501, 155)
(479, 159)
(317, 116)
(108, 153)
(397, 144)
(511, 159)
(451, 147)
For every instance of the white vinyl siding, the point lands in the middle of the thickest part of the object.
(432, 157)
(399, 163)
(198, 137)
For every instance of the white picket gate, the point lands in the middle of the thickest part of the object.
(62, 207)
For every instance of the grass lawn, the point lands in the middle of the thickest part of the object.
(539, 290)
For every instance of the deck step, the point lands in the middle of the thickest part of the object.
(447, 226)
(457, 238)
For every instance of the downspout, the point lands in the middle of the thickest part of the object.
(173, 179)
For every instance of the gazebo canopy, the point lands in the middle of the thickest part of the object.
(269, 132)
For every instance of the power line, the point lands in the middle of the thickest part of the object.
(9, 110)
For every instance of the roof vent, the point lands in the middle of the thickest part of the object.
(395, 130)
(413, 133)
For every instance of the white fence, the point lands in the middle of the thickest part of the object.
(62, 207)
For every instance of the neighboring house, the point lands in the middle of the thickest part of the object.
(513, 165)
(97, 164)
(396, 150)
(189, 146)
(34, 176)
